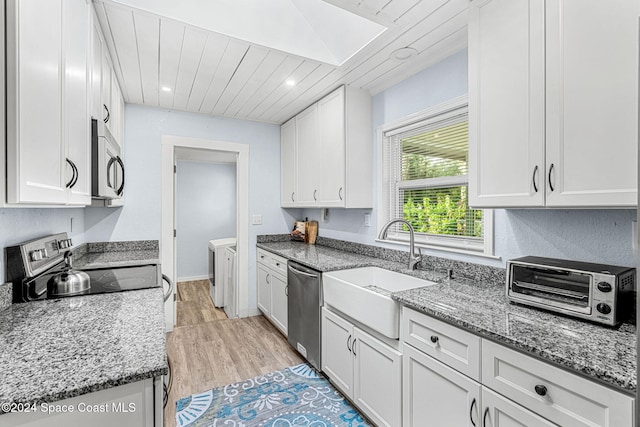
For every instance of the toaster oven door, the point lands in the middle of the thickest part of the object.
(565, 290)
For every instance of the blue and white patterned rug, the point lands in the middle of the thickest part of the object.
(294, 397)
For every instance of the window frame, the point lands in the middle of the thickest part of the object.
(386, 181)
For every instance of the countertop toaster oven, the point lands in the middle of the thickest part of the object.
(596, 292)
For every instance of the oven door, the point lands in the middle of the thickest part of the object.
(565, 291)
(107, 166)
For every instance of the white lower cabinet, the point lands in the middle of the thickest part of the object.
(437, 395)
(441, 386)
(272, 289)
(365, 369)
(137, 404)
(499, 411)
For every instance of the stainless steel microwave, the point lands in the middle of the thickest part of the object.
(107, 167)
(597, 292)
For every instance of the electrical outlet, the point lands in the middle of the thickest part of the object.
(367, 220)
(324, 214)
(257, 219)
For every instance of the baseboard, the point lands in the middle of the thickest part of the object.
(192, 278)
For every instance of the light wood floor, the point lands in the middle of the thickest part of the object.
(209, 350)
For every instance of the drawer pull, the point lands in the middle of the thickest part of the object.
(484, 417)
(349, 343)
(434, 339)
(473, 403)
(541, 390)
(353, 346)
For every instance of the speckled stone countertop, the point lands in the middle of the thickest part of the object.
(116, 254)
(479, 305)
(606, 354)
(58, 349)
(326, 259)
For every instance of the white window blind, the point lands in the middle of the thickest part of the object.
(425, 167)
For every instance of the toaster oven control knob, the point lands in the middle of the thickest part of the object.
(603, 308)
(604, 287)
(36, 255)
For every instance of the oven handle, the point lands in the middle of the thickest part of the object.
(170, 291)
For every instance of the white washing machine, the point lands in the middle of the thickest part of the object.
(216, 268)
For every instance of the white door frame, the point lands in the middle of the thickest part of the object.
(167, 242)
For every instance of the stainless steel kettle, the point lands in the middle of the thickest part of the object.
(69, 282)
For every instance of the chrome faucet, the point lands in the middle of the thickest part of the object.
(413, 258)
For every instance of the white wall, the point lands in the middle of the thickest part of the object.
(588, 235)
(205, 210)
(140, 217)
(18, 225)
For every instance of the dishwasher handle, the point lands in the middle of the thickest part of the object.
(296, 271)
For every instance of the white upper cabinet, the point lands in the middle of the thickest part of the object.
(47, 102)
(331, 150)
(331, 144)
(592, 102)
(76, 110)
(288, 179)
(553, 112)
(307, 156)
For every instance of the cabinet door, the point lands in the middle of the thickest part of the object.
(35, 148)
(592, 102)
(501, 412)
(307, 156)
(377, 379)
(332, 150)
(288, 167)
(506, 103)
(279, 302)
(77, 131)
(434, 394)
(337, 358)
(264, 290)
(97, 45)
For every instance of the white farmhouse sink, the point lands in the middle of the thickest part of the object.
(364, 295)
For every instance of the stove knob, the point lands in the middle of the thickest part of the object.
(69, 243)
(603, 308)
(604, 287)
(36, 255)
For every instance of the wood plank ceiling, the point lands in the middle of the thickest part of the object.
(214, 74)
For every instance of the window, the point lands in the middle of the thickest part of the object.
(425, 181)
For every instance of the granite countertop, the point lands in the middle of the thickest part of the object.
(58, 349)
(116, 254)
(326, 259)
(480, 306)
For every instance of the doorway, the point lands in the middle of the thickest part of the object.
(181, 149)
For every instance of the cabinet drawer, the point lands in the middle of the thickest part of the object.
(562, 397)
(448, 344)
(273, 261)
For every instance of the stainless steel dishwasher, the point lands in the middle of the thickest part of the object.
(304, 302)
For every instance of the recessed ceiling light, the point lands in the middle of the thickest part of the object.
(403, 54)
(166, 89)
(290, 82)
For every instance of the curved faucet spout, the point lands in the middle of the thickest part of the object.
(413, 258)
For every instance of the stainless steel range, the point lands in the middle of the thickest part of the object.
(42, 268)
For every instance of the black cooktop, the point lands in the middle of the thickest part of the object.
(122, 279)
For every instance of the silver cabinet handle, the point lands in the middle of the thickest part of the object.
(340, 193)
(353, 346)
(294, 270)
(286, 290)
(267, 279)
(550, 183)
(314, 195)
(349, 343)
(292, 194)
(484, 417)
(170, 290)
(471, 412)
(535, 172)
